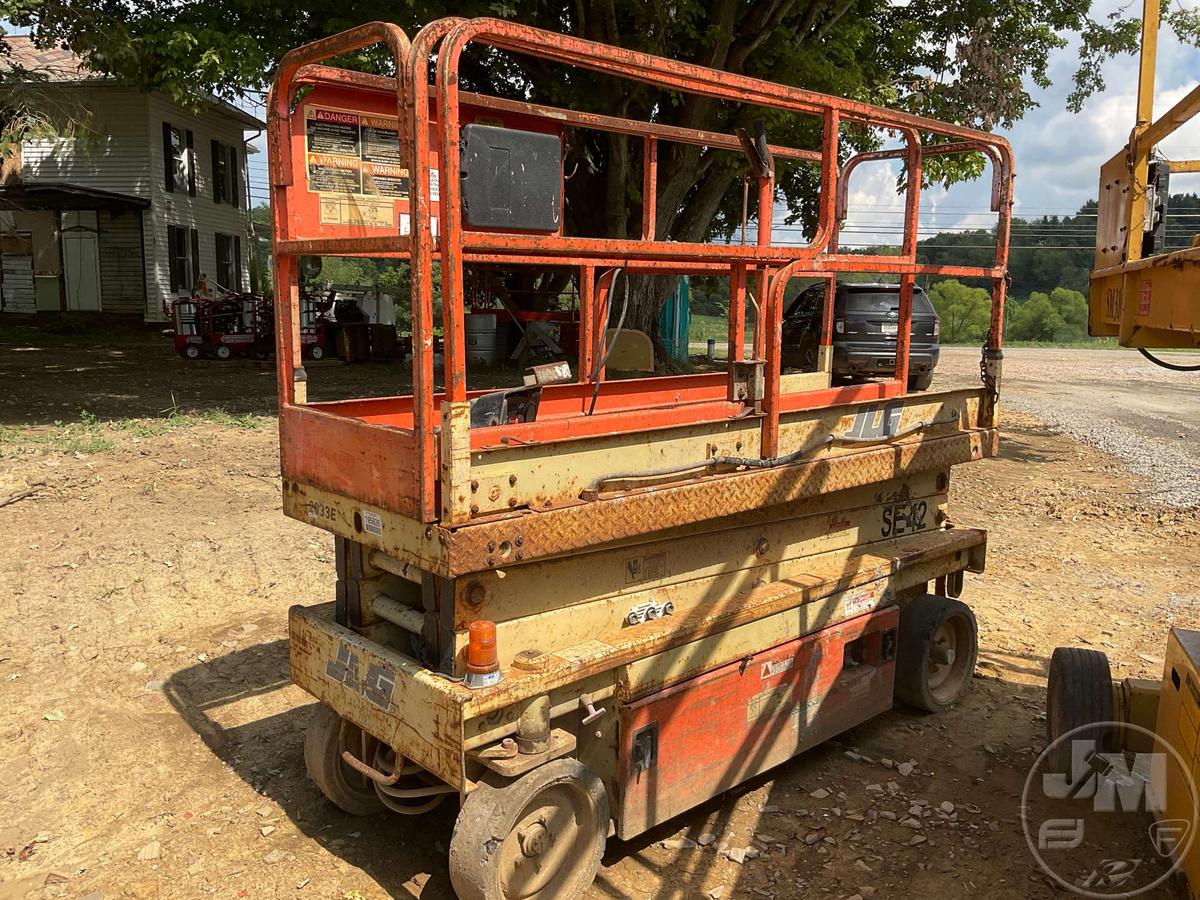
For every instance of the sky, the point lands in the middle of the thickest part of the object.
(1058, 153)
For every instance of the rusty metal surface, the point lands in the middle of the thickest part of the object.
(556, 532)
(511, 765)
(347, 456)
(828, 574)
(390, 696)
(426, 717)
(425, 100)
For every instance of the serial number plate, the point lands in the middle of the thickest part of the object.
(907, 517)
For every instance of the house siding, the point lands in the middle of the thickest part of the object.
(184, 211)
(114, 160)
(122, 273)
(127, 158)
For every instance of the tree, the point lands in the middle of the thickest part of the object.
(1058, 317)
(965, 312)
(970, 62)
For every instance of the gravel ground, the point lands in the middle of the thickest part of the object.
(1112, 400)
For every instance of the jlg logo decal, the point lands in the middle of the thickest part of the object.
(879, 420)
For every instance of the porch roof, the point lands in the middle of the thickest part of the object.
(61, 196)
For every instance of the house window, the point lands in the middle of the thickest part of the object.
(179, 160)
(229, 261)
(183, 255)
(226, 188)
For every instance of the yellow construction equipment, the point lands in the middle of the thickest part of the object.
(1144, 296)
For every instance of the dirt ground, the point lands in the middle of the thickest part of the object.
(150, 743)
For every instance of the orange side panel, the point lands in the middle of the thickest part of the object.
(347, 456)
(688, 743)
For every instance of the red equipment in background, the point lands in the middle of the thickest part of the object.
(243, 324)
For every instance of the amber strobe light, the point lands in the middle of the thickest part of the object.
(483, 662)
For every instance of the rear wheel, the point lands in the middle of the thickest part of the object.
(540, 836)
(1078, 693)
(936, 651)
(316, 352)
(222, 351)
(327, 736)
(191, 351)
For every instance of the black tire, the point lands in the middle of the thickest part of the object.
(316, 351)
(222, 352)
(324, 740)
(1078, 693)
(504, 825)
(933, 630)
(922, 381)
(190, 351)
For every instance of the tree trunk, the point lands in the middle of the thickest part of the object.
(647, 293)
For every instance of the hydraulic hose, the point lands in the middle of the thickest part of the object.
(601, 361)
(1174, 367)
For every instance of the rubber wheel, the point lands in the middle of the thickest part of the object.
(921, 382)
(222, 351)
(327, 736)
(540, 836)
(935, 652)
(317, 352)
(1078, 692)
(191, 351)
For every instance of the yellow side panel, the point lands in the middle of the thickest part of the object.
(1179, 724)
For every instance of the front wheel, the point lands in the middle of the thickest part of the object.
(191, 351)
(540, 836)
(223, 352)
(316, 352)
(936, 651)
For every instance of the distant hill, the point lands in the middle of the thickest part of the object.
(1052, 251)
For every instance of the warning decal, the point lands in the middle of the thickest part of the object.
(353, 161)
(334, 174)
(332, 131)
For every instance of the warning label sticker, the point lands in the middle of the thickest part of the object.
(385, 180)
(351, 209)
(332, 131)
(334, 174)
(354, 163)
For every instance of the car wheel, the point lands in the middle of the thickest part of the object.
(922, 381)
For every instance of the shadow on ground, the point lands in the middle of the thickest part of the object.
(977, 755)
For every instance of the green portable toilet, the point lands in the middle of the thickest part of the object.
(675, 321)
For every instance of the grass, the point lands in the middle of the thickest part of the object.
(91, 434)
(715, 327)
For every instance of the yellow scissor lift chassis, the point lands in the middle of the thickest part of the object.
(670, 664)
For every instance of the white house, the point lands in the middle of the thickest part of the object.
(128, 214)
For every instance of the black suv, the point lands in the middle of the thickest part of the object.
(864, 332)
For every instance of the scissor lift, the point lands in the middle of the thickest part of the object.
(583, 608)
